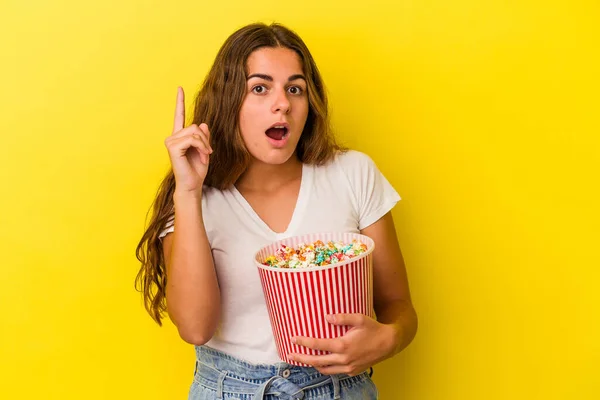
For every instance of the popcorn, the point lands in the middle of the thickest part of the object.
(315, 254)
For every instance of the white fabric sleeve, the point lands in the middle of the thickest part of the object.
(375, 196)
(169, 227)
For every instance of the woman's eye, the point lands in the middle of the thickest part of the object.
(295, 90)
(258, 89)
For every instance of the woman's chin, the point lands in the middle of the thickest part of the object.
(275, 156)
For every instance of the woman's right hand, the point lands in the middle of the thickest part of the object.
(189, 150)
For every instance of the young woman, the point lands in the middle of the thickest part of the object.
(259, 163)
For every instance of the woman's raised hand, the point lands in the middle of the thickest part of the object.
(189, 150)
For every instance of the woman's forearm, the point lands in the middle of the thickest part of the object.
(401, 317)
(193, 296)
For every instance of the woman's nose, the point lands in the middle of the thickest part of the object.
(281, 103)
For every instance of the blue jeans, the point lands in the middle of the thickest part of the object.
(221, 376)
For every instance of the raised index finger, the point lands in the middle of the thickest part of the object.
(179, 111)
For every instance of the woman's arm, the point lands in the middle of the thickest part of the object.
(391, 294)
(193, 296)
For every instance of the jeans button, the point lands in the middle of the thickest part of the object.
(286, 373)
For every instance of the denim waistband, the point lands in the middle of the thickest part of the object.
(225, 373)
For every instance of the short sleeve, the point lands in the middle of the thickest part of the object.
(169, 227)
(374, 195)
(170, 224)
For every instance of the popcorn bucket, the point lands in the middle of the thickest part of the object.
(298, 299)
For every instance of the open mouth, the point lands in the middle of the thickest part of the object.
(277, 132)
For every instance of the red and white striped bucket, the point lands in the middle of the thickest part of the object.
(299, 299)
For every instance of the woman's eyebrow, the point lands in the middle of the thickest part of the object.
(270, 78)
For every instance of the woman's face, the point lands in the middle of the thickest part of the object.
(275, 107)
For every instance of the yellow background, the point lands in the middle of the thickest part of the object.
(483, 115)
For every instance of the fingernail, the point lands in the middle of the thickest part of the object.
(331, 318)
(294, 340)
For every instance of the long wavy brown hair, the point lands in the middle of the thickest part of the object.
(218, 104)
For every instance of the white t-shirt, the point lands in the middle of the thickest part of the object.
(347, 194)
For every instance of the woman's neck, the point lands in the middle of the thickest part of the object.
(269, 177)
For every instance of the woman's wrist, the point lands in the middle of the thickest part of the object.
(187, 196)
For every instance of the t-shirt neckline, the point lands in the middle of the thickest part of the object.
(299, 208)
